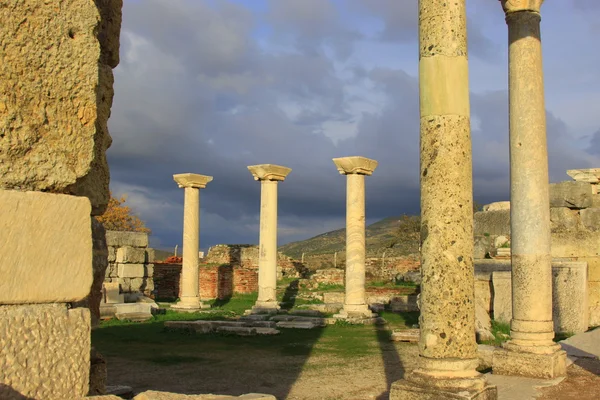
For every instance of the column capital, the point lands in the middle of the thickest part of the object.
(355, 165)
(269, 172)
(192, 180)
(511, 6)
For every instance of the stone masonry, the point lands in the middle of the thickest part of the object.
(56, 90)
(574, 225)
(130, 262)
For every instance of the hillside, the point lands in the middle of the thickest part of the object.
(379, 236)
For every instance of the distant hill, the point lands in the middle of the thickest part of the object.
(379, 236)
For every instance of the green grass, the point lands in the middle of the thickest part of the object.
(501, 332)
(328, 287)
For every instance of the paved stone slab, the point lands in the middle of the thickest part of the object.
(518, 388)
(296, 324)
(405, 335)
(45, 247)
(586, 344)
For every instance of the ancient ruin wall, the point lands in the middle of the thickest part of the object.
(130, 262)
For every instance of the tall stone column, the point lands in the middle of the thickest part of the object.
(531, 350)
(355, 168)
(189, 299)
(447, 347)
(268, 175)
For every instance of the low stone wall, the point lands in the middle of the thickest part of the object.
(575, 229)
(130, 262)
(493, 289)
(245, 256)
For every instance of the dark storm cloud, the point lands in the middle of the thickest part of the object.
(198, 91)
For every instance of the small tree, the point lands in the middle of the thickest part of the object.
(119, 217)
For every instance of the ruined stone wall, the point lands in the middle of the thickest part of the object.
(245, 256)
(130, 262)
(166, 280)
(575, 232)
(56, 90)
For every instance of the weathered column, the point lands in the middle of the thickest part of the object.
(268, 175)
(355, 301)
(447, 347)
(189, 298)
(531, 350)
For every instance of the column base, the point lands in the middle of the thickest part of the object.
(265, 307)
(190, 304)
(357, 315)
(517, 362)
(407, 390)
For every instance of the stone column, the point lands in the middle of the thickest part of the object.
(268, 175)
(355, 301)
(447, 347)
(189, 299)
(531, 350)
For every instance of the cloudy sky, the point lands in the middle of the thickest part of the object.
(212, 86)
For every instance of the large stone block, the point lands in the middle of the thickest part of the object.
(56, 96)
(575, 244)
(542, 366)
(490, 223)
(122, 239)
(570, 297)
(564, 219)
(594, 303)
(593, 268)
(153, 395)
(406, 390)
(571, 194)
(46, 247)
(501, 281)
(590, 218)
(44, 351)
(131, 270)
(131, 255)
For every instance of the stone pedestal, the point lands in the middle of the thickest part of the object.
(447, 349)
(189, 298)
(532, 328)
(355, 301)
(268, 175)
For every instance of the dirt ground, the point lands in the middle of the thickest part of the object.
(582, 383)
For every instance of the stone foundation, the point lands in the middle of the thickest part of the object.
(130, 262)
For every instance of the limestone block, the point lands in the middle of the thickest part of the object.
(44, 351)
(483, 323)
(150, 255)
(590, 218)
(122, 238)
(571, 194)
(594, 303)
(483, 291)
(492, 223)
(46, 247)
(570, 297)
(131, 255)
(499, 205)
(153, 395)
(544, 366)
(593, 268)
(112, 254)
(131, 270)
(575, 244)
(56, 96)
(591, 175)
(111, 293)
(501, 281)
(481, 247)
(563, 219)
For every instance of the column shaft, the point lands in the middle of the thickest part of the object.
(267, 263)
(355, 243)
(191, 231)
(530, 213)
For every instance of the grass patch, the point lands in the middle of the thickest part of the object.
(329, 287)
(400, 320)
(501, 332)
